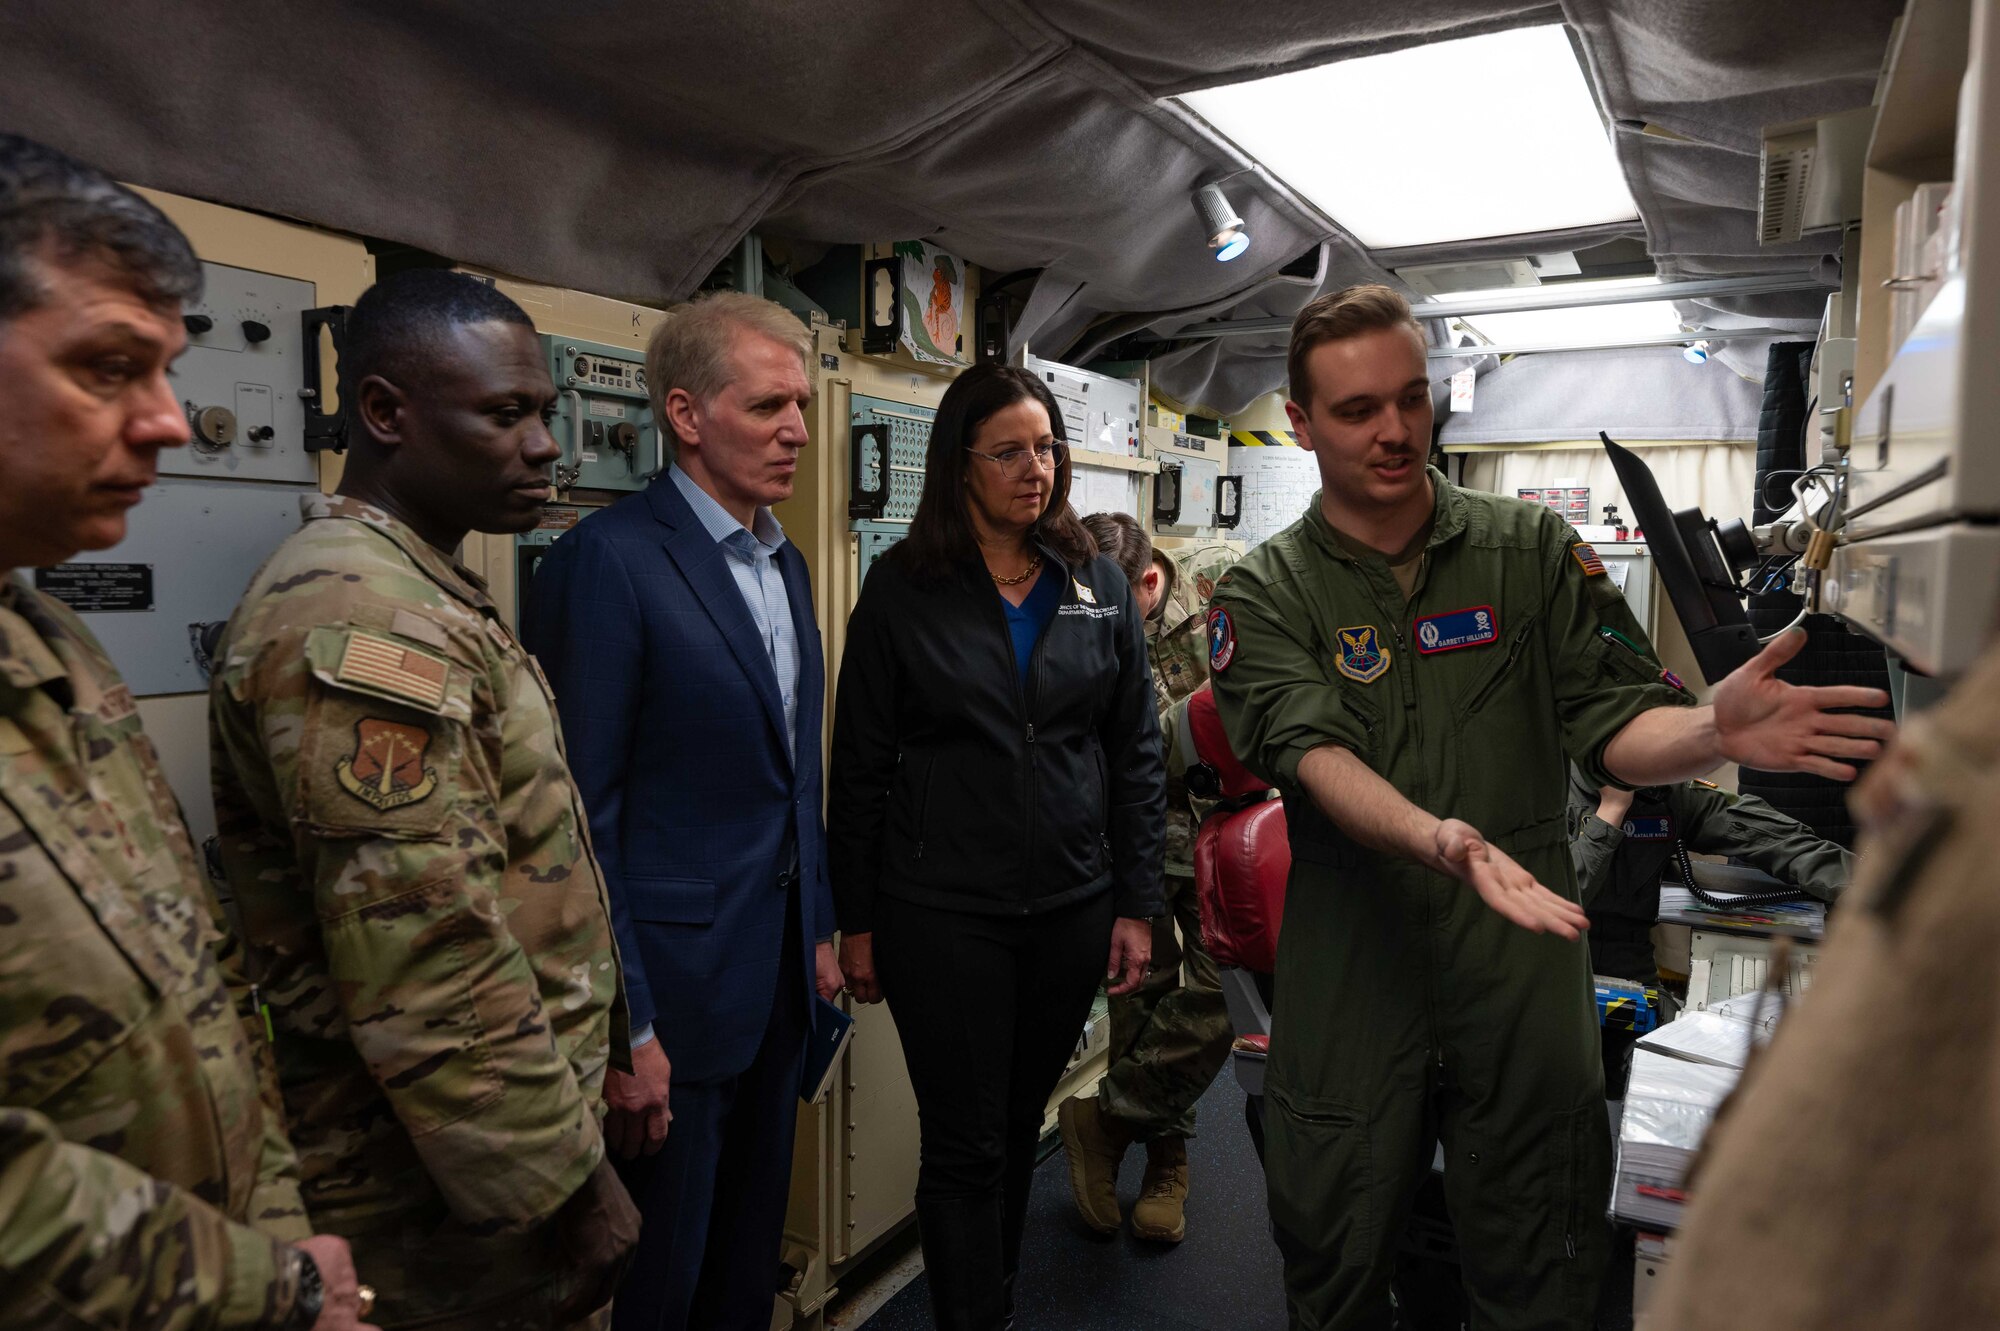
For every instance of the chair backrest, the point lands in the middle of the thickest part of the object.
(1241, 862)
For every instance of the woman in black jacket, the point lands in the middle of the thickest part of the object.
(996, 816)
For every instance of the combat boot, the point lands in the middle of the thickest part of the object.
(1161, 1212)
(1095, 1143)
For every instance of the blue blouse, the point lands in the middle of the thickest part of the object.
(1026, 621)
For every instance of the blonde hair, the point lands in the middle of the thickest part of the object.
(690, 348)
(1337, 316)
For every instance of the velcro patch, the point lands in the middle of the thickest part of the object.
(1221, 640)
(385, 666)
(1649, 829)
(1586, 558)
(1671, 680)
(1362, 657)
(117, 705)
(386, 769)
(1454, 629)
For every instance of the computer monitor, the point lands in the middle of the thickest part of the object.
(1700, 584)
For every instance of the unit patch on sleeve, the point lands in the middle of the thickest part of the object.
(1454, 629)
(1586, 558)
(386, 770)
(1362, 658)
(1221, 640)
(1649, 829)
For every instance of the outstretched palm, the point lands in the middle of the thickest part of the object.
(1763, 722)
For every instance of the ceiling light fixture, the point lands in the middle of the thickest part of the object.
(1696, 353)
(1224, 228)
(1495, 135)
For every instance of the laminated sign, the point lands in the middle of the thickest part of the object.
(933, 303)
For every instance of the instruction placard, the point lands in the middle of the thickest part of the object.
(91, 588)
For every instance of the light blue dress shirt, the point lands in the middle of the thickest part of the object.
(753, 561)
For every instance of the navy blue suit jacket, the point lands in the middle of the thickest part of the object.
(676, 736)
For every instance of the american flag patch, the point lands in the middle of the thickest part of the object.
(382, 665)
(1586, 555)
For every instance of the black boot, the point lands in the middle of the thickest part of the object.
(962, 1259)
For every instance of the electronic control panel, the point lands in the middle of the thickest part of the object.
(239, 380)
(604, 417)
(890, 442)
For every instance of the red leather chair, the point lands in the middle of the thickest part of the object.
(1242, 858)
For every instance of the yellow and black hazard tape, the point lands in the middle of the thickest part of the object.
(1263, 439)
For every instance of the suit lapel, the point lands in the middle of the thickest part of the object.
(812, 670)
(706, 568)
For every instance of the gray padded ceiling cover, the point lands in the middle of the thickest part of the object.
(623, 147)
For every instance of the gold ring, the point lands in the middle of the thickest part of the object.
(364, 1300)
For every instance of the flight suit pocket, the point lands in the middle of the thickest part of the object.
(1498, 670)
(1580, 1173)
(1322, 1171)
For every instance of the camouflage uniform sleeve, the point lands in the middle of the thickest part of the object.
(275, 1204)
(88, 1240)
(387, 757)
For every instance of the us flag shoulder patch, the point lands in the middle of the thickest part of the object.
(385, 666)
(1586, 557)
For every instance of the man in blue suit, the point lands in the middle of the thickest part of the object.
(677, 629)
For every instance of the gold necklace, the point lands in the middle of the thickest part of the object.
(1021, 577)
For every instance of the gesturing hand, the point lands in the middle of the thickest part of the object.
(636, 1123)
(1131, 954)
(1504, 885)
(1761, 721)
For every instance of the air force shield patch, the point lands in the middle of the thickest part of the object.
(1362, 658)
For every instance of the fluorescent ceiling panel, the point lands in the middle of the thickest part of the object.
(1578, 325)
(1484, 136)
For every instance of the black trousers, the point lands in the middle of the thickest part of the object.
(989, 1009)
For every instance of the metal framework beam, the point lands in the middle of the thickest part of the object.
(1656, 340)
(1541, 298)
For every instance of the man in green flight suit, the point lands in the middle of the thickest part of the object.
(1413, 665)
(1622, 840)
(1170, 1036)
(145, 1179)
(410, 854)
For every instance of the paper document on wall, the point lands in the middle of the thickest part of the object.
(1104, 490)
(1278, 487)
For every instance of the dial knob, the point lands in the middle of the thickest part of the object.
(214, 427)
(196, 324)
(624, 436)
(583, 365)
(255, 332)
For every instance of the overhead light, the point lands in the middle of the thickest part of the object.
(1362, 139)
(1226, 235)
(1566, 324)
(1696, 353)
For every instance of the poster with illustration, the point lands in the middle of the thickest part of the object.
(933, 303)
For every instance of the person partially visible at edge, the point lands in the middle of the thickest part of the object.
(1415, 665)
(1171, 1036)
(144, 1177)
(410, 855)
(996, 813)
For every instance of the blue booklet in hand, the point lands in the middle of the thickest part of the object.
(825, 1043)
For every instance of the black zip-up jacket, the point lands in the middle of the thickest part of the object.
(953, 786)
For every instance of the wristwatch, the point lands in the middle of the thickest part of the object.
(311, 1295)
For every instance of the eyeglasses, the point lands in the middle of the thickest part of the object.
(1014, 462)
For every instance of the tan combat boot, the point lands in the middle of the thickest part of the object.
(1095, 1143)
(1161, 1213)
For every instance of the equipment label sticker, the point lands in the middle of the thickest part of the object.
(1454, 629)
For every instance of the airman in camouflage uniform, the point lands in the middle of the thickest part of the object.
(142, 1181)
(1171, 1036)
(429, 925)
(135, 1154)
(409, 853)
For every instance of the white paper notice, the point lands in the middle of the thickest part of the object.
(1462, 385)
(1103, 490)
(1278, 485)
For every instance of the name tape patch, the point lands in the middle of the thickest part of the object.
(1474, 627)
(1649, 829)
